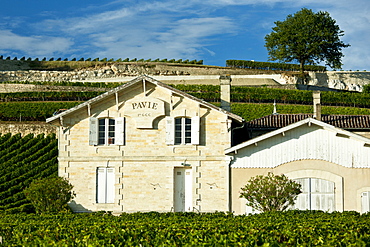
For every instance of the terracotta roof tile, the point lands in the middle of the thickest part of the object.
(281, 120)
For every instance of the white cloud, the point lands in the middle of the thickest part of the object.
(179, 39)
(34, 45)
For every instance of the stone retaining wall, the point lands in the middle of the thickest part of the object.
(27, 128)
(14, 88)
(344, 80)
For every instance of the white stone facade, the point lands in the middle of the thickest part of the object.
(141, 168)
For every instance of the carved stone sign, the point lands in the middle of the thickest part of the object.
(144, 110)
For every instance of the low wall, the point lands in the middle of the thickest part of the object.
(14, 88)
(27, 128)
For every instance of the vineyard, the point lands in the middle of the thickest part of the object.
(23, 159)
(290, 228)
(248, 102)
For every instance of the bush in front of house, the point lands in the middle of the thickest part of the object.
(270, 192)
(50, 195)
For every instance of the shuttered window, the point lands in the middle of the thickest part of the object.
(105, 185)
(317, 194)
(106, 131)
(182, 130)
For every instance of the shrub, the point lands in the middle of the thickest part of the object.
(50, 195)
(271, 192)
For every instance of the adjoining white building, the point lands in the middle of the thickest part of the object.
(332, 164)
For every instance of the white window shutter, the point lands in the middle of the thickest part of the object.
(93, 131)
(110, 185)
(120, 131)
(195, 126)
(100, 186)
(170, 131)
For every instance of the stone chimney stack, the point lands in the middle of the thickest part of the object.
(316, 105)
(225, 83)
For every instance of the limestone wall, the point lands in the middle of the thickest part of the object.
(177, 74)
(27, 128)
(344, 80)
(13, 88)
(115, 70)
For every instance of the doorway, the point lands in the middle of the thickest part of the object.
(182, 197)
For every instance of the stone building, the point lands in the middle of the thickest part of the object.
(145, 146)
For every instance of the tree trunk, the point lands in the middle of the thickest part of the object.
(302, 75)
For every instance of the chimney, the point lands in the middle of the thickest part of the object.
(316, 105)
(225, 84)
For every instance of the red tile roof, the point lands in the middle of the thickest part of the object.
(275, 121)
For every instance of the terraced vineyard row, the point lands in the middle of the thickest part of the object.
(22, 160)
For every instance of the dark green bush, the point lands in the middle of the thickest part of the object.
(50, 195)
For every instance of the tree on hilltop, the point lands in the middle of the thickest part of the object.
(308, 38)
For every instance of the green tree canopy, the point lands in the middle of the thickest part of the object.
(308, 38)
(270, 192)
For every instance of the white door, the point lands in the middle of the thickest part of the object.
(182, 189)
(365, 202)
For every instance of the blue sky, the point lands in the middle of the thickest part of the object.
(209, 30)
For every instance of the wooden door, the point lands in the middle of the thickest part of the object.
(182, 189)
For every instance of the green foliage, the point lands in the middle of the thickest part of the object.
(306, 37)
(22, 160)
(270, 192)
(366, 89)
(271, 66)
(48, 96)
(50, 195)
(31, 111)
(290, 228)
(240, 94)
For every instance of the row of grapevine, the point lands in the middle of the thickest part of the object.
(23, 159)
(48, 96)
(241, 94)
(271, 66)
(31, 111)
(165, 60)
(250, 111)
(291, 228)
(210, 93)
(26, 111)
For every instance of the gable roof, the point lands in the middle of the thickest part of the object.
(281, 120)
(140, 79)
(307, 121)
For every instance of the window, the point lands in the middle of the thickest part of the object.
(317, 194)
(106, 131)
(182, 130)
(105, 185)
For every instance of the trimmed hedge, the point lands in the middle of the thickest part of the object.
(245, 64)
